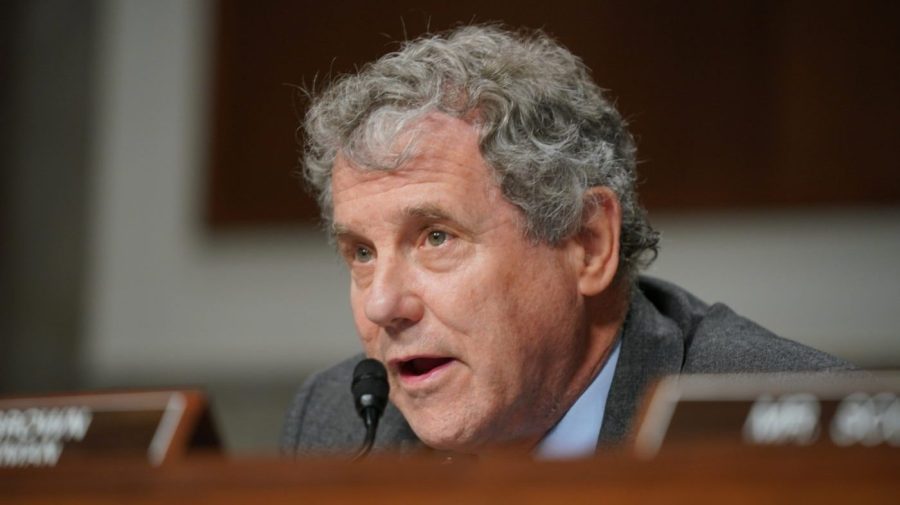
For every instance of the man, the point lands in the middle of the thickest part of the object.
(481, 190)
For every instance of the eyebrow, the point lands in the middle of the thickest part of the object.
(429, 212)
(339, 230)
(426, 212)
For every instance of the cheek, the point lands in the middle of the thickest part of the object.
(484, 306)
(462, 303)
(542, 304)
(367, 331)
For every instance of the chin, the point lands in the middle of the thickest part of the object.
(447, 432)
(462, 434)
(452, 443)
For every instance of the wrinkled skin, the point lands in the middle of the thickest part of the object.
(441, 274)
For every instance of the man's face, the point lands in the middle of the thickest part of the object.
(481, 330)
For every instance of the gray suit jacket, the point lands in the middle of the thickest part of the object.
(667, 331)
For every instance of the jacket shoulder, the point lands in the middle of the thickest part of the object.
(322, 418)
(725, 342)
(718, 340)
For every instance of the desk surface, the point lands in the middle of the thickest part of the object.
(695, 475)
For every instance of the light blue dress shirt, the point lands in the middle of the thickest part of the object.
(575, 435)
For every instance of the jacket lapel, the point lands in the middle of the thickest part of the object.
(652, 346)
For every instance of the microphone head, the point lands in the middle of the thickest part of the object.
(370, 386)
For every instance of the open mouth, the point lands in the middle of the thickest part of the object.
(419, 367)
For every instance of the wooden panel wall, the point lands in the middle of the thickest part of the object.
(734, 104)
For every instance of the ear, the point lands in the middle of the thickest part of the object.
(598, 241)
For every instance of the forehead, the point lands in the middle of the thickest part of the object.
(444, 168)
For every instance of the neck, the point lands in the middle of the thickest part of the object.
(604, 317)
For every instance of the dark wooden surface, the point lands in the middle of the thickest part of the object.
(693, 474)
(735, 104)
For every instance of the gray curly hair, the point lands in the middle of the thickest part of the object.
(544, 126)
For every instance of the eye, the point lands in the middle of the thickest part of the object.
(362, 254)
(436, 237)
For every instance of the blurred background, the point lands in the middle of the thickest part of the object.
(155, 233)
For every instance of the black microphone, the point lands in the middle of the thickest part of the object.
(370, 394)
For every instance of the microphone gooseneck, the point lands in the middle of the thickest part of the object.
(370, 395)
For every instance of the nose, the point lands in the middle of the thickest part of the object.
(393, 301)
